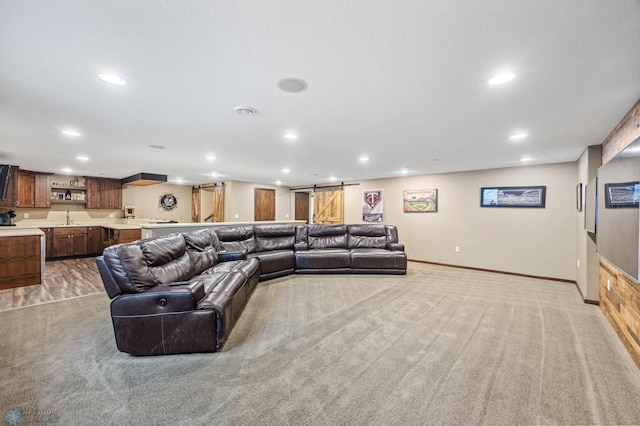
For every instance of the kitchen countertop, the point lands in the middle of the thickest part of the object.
(201, 224)
(14, 231)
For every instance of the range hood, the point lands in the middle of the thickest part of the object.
(144, 179)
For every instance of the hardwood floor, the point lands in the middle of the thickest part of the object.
(63, 279)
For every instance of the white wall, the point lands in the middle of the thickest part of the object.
(146, 200)
(239, 201)
(540, 242)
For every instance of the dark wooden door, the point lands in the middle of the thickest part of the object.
(264, 204)
(302, 206)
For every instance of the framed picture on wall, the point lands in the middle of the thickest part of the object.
(622, 195)
(420, 200)
(513, 196)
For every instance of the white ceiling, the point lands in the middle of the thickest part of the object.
(403, 82)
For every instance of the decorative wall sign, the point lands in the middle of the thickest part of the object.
(168, 201)
(420, 200)
(513, 196)
(372, 205)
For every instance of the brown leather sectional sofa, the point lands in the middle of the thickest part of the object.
(183, 293)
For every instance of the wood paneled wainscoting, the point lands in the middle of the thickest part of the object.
(620, 302)
(619, 295)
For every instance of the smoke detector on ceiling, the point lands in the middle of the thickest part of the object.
(244, 110)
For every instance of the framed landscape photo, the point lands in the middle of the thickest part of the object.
(420, 200)
(513, 196)
(622, 195)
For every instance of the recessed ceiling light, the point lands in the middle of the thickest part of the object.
(502, 78)
(285, 170)
(333, 178)
(290, 136)
(245, 110)
(292, 85)
(278, 182)
(518, 136)
(157, 146)
(112, 79)
(210, 157)
(67, 170)
(71, 132)
(213, 174)
(404, 171)
(525, 159)
(363, 159)
(82, 158)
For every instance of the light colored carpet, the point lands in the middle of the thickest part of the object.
(441, 346)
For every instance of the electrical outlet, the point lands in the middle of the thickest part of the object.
(578, 263)
(110, 214)
(286, 215)
(26, 215)
(608, 285)
(457, 249)
(236, 216)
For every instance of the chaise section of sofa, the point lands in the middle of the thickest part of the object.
(176, 293)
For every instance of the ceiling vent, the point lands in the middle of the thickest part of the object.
(144, 179)
(292, 85)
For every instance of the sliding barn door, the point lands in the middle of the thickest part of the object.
(195, 205)
(218, 204)
(328, 205)
(264, 206)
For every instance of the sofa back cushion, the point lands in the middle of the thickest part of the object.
(203, 247)
(275, 236)
(237, 238)
(167, 258)
(392, 233)
(367, 236)
(141, 265)
(327, 236)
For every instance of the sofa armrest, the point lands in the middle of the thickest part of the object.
(300, 246)
(160, 299)
(395, 246)
(228, 256)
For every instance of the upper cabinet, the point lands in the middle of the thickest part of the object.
(103, 193)
(12, 189)
(33, 189)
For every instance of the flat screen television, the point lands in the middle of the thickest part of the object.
(618, 210)
(591, 206)
(4, 180)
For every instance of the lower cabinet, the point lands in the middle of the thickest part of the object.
(94, 239)
(70, 241)
(84, 240)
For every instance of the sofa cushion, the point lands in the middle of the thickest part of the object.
(366, 258)
(128, 267)
(237, 238)
(367, 236)
(327, 236)
(167, 258)
(275, 237)
(323, 259)
(203, 247)
(275, 260)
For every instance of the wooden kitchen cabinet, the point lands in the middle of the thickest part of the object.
(26, 189)
(71, 241)
(48, 242)
(103, 193)
(12, 189)
(33, 190)
(21, 263)
(94, 240)
(112, 236)
(42, 191)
